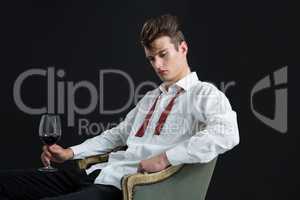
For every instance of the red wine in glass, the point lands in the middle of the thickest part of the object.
(50, 133)
(50, 139)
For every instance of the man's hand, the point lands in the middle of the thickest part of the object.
(154, 164)
(56, 154)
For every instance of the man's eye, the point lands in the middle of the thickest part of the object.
(150, 59)
(163, 54)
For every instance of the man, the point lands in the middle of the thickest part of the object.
(183, 121)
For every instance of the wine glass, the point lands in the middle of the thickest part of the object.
(50, 133)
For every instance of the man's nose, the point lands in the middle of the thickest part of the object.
(158, 63)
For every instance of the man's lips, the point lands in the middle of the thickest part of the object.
(162, 71)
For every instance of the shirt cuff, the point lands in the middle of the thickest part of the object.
(78, 151)
(177, 155)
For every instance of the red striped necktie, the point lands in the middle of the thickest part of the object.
(162, 118)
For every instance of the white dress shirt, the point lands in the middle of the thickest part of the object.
(200, 126)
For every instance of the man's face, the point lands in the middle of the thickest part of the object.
(169, 63)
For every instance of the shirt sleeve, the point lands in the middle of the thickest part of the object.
(219, 135)
(106, 141)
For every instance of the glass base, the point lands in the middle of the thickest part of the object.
(47, 169)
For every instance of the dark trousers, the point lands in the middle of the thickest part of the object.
(66, 184)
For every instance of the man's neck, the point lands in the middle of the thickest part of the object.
(184, 74)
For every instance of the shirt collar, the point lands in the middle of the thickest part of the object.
(185, 83)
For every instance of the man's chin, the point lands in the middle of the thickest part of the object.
(164, 77)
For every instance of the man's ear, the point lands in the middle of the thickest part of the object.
(183, 47)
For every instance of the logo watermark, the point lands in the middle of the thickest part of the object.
(279, 86)
(61, 96)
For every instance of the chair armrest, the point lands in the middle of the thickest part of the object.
(85, 163)
(88, 161)
(189, 180)
(130, 181)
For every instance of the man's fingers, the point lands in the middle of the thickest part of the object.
(48, 154)
(140, 168)
(55, 149)
(45, 159)
(45, 148)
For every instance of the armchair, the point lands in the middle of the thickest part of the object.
(188, 181)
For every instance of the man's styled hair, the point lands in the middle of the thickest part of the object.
(164, 25)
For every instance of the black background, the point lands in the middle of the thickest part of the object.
(228, 41)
